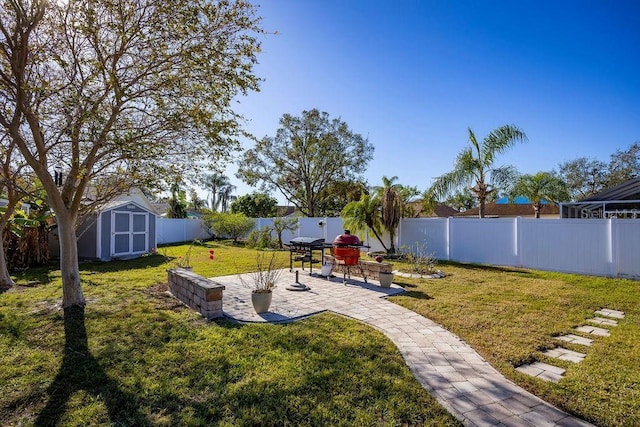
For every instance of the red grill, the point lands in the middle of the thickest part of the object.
(346, 251)
(347, 256)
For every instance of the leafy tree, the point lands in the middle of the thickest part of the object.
(337, 194)
(539, 187)
(255, 205)
(119, 93)
(307, 155)
(364, 214)
(624, 165)
(231, 225)
(462, 200)
(583, 177)
(282, 224)
(177, 202)
(17, 185)
(196, 203)
(474, 167)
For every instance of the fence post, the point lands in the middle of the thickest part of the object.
(448, 243)
(518, 240)
(613, 245)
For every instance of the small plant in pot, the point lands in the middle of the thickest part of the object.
(263, 281)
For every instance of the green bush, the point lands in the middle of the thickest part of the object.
(261, 239)
(230, 225)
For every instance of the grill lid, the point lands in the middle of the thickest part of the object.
(347, 239)
(306, 241)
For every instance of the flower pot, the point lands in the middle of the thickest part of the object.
(385, 279)
(261, 301)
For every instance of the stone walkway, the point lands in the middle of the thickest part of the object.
(548, 372)
(461, 380)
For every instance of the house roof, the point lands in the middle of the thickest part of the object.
(499, 210)
(286, 210)
(440, 211)
(629, 190)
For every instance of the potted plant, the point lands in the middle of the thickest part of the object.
(385, 277)
(263, 281)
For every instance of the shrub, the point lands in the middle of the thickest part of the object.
(231, 225)
(420, 261)
(261, 239)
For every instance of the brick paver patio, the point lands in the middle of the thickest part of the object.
(461, 380)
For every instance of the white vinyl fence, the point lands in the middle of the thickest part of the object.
(601, 247)
(174, 230)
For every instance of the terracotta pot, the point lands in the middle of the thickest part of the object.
(261, 301)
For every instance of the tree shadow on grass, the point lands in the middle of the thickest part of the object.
(81, 371)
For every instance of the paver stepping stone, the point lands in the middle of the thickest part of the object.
(543, 371)
(611, 313)
(575, 339)
(603, 321)
(565, 354)
(593, 330)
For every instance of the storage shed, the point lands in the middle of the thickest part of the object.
(123, 228)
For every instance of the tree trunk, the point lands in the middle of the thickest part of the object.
(5, 278)
(71, 288)
(392, 249)
(536, 209)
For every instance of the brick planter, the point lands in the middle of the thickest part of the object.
(370, 268)
(198, 293)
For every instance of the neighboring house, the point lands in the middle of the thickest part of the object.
(122, 228)
(439, 211)
(621, 201)
(285, 211)
(511, 210)
(160, 208)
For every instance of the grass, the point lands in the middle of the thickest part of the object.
(140, 358)
(510, 317)
(147, 360)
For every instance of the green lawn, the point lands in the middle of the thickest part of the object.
(150, 361)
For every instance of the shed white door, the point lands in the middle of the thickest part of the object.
(129, 233)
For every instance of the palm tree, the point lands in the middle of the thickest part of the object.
(539, 187)
(474, 166)
(362, 214)
(390, 196)
(220, 189)
(196, 202)
(225, 197)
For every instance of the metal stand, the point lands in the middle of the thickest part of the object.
(297, 286)
(347, 271)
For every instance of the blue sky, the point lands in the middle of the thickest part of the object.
(412, 76)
